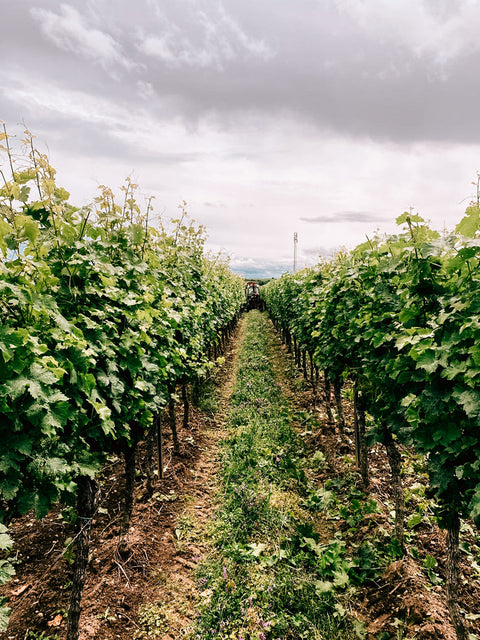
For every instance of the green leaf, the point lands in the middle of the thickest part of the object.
(6, 571)
(138, 233)
(341, 578)
(428, 361)
(28, 225)
(408, 217)
(323, 586)
(429, 562)
(408, 400)
(257, 549)
(31, 230)
(470, 224)
(414, 520)
(4, 618)
(454, 370)
(7, 353)
(8, 490)
(16, 387)
(5, 541)
(360, 629)
(474, 507)
(61, 194)
(470, 401)
(88, 382)
(87, 469)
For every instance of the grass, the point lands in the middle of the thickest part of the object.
(268, 576)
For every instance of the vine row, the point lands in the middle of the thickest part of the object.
(104, 316)
(399, 316)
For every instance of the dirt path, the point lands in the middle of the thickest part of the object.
(152, 591)
(170, 601)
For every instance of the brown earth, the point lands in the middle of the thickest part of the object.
(402, 603)
(154, 586)
(152, 593)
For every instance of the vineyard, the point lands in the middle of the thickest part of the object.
(399, 317)
(104, 319)
(217, 475)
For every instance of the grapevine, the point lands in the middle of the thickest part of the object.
(103, 316)
(399, 316)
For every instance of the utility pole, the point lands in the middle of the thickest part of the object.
(477, 184)
(295, 243)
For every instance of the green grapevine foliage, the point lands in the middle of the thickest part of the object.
(401, 316)
(101, 315)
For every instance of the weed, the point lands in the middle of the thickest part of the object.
(321, 499)
(35, 635)
(106, 615)
(318, 462)
(367, 563)
(358, 509)
(153, 622)
(204, 395)
(69, 552)
(185, 527)
(429, 564)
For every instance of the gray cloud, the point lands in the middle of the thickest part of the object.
(260, 268)
(315, 252)
(70, 31)
(279, 108)
(362, 217)
(214, 205)
(202, 38)
(402, 72)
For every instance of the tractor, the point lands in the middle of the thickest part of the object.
(252, 296)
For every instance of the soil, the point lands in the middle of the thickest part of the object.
(403, 602)
(120, 592)
(152, 592)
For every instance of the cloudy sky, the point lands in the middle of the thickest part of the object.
(324, 117)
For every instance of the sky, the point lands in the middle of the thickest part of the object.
(327, 118)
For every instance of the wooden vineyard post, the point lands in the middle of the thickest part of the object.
(149, 458)
(328, 397)
(130, 460)
(360, 442)
(86, 500)
(186, 405)
(160, 444)
(312, 372)
(173, 421)
(452, 570)
(395, 462)
(337, 391)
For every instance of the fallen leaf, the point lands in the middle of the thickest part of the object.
(57, 621)
(20, 590)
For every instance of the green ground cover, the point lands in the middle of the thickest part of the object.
(271, 574)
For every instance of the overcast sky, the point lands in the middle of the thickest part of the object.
(324, 117)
